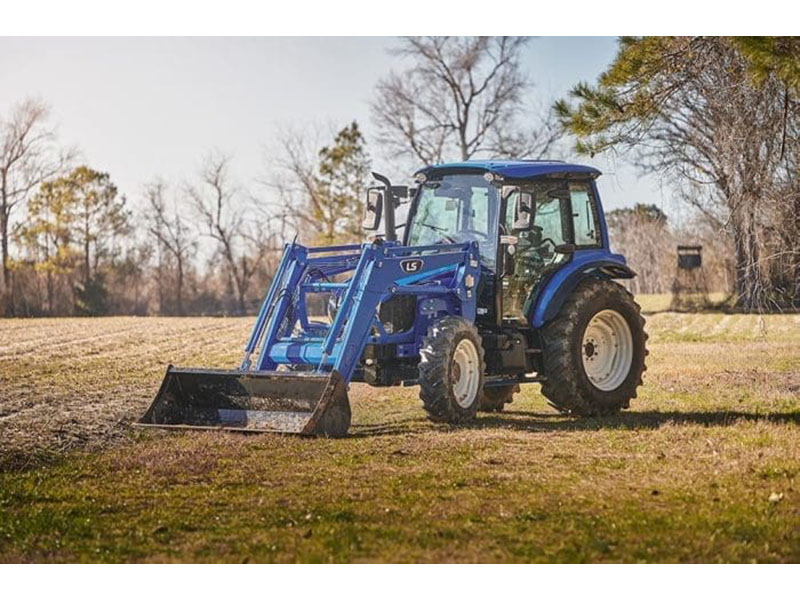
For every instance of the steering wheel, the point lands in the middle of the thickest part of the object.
(546, 252)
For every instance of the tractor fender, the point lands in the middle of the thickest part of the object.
(599, 264)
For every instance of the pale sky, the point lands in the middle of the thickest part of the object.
(145, 107)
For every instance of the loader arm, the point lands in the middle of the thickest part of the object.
(379, 271)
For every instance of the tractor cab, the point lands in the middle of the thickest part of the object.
(526, 225)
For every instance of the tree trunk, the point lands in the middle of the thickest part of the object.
(7, 307)
(160, 281)
(180, 286)
(748, 269)
(462, 143)
(50, 310)
(241, 286)
(796, 298)
(740, 285)
(87, 265)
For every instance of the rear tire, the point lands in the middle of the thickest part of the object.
(594, 351)
(494, 399)
(451, 371)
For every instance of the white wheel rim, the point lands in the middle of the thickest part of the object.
(607, 350)
(464, 373)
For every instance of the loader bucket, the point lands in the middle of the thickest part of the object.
(291, 402)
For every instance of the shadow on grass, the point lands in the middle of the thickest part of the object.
(544, 422)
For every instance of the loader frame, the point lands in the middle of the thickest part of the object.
(442, 278)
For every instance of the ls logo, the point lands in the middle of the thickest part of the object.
(412, 265)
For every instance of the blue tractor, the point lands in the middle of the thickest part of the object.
(500, 276)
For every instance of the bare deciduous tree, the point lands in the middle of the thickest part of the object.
(320, 187)
(172, 234)
(641, 233)
(294, 184)
(28, 156)
(461, 97)
(242, 244)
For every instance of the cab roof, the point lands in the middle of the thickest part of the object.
(516, 169)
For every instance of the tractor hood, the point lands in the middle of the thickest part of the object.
(516, 169)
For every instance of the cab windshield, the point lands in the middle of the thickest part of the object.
(457, 209)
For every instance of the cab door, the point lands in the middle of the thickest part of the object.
(534, 249)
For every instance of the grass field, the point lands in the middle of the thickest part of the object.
(704, 467)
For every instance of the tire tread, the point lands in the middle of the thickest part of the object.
(562, 388)
(434, 370)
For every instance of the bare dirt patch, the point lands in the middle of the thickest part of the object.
(68, 383)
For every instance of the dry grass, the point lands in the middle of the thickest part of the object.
(704, 466)
(652, 303)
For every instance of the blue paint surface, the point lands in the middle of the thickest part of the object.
(517, 169)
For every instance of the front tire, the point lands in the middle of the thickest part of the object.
(451, 371)
(594, 351)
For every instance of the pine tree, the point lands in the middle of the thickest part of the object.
(343, 171)
(718, 118)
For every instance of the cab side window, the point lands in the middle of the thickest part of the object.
(548, 226)
(548, 220)
(584, 218)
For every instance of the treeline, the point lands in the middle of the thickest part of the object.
(206, 246)
(717, 118)
(73, 245)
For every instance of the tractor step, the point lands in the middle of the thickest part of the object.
(265, 401)
(503, 381)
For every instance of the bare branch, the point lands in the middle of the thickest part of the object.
(461, 98)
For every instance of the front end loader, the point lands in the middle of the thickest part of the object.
(503, 277)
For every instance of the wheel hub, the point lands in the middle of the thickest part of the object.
(607, 350)
(464, 373)
(455, 374)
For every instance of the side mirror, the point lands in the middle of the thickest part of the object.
(523, 211)
(564, 248)
(373, 207)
